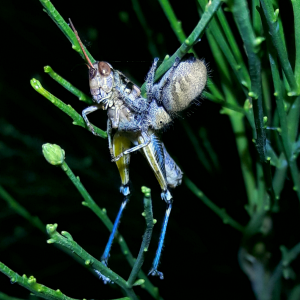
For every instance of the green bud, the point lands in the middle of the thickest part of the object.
(31, 280)
(53, 154)
(276, 13)
(51, 228)
(47, 69)
(139, 282)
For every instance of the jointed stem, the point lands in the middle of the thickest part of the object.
(189, 42)
(101, 213)
(64, 27)
(77, 118)
(67, 85)
(31, 285)
(272, 20)
(241, 15)
(219, 211)
(148, 214)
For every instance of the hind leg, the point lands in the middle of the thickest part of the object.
(119, 145)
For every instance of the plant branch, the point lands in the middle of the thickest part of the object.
(189, 42)
(236, 120)
(233, 45)
(242, 19)
(283, 118)
(77, 118)
(217, 33)
(56, 157)
(272, 20)
(65, 28)
(296, 9)
(35, 221)
(66, 241)
(141, 17)
(148, 214)
(177, 28)
(6, 297)
(219, 211)
(175, 24)
(30, 284)
(68, 86)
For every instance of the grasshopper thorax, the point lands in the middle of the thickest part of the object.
(101, 78)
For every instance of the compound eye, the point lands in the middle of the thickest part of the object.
(104, 68)
(92, 73)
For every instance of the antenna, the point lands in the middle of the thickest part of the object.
(81, 45)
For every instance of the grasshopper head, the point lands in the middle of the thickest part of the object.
(101, 80)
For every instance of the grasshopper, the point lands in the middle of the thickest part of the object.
(134, 123)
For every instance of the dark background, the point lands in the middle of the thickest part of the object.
(200, 256)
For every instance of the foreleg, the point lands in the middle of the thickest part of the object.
(150, 80)
(87, 111)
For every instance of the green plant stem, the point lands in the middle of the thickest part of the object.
(197, 147)
(233, 45)
(217, 33)
(223, 103)
(256, 18)
(289, 255)
(280, 175)
(6, 297)
(68, 86)
(272, 20)
(219, 211)
(65, 28)
(296, 9)
(78, 120)
(293, 120)
(209, 149)
(189, 42)
(148, 214)
(31, 285)
(241, 16)
(235, 119)
(177, 28)
(283, 119)
(66, 241)
(35, 221)
(139, 13)
(175, 24)
(101, 214)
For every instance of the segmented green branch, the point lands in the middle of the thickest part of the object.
(31, 285)
(219, 211)
(78, 120)
(193, 38)
(68, 86)
(148, 214)
(272, 20)
(64, 27)
(56, 156)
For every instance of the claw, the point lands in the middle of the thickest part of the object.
(155, 272)
(117, 157)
